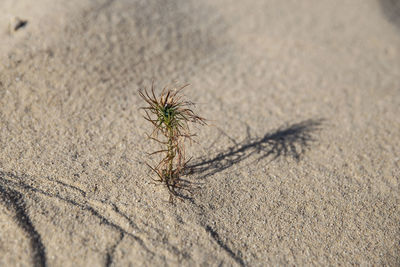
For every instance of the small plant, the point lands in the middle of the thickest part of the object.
(170, 115)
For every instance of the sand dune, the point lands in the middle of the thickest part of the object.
(300, 163)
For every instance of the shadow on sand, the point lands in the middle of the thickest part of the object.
(391, 9)
(290, 141)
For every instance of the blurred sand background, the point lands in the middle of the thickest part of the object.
(300, 164)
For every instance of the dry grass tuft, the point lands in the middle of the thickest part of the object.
(170, 115)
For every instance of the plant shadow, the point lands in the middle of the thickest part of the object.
(391, 10)
(290, 141)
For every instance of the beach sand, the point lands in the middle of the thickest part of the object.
(299, 163)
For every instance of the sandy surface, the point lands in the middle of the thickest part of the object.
(300, 164)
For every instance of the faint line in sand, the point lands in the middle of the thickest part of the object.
(14, 200)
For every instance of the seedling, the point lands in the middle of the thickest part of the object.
(170, 116)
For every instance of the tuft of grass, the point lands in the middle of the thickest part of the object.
(170, 116)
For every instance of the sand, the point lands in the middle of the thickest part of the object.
(299, 165)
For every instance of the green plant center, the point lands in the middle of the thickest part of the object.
(168, 113)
